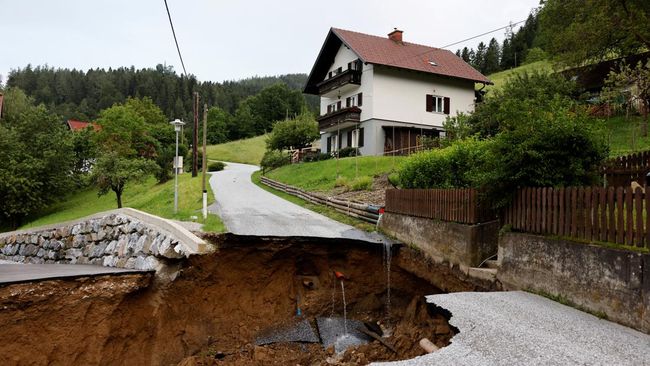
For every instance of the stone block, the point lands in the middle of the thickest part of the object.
(33, 239)
(88, 249)
(73, 253)
(109, 261)
(110, 248)
(55, 245)
(28, 250)
(130, 263)
(79, 241)
(82, 260)
(76, 229)
(98, 250)
(35, 260)
(41, 253)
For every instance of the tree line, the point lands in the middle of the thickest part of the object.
(77, 94)
(522, 46)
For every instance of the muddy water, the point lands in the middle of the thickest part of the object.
(218, 304)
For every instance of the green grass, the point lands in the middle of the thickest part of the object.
(321, 209)
(624, 135)
(499, 78)
(247, 151)
(156, 199)
(322, 175)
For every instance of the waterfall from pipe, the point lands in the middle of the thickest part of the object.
(345, 311)
(387, 260)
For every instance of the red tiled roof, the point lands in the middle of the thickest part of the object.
(80, 125)
(411, 56)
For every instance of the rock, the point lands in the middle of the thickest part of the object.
(11, 239)
(121, 245)
(109, 261)
(139, 245)
(20, 238)
(110, 248)
(130, 263)
(53, 254)
(76, 229)
(132, 227)
(82, 260)
(3, 240)
(96, 261)
(34, 239)
(41, 252)
(155, 245)
(95, 225)
(146, 247)
(169, 250)
(55, 245)
(79, 241)
(62, 232)
(46, 234)
(73, 254)
(35, 260)
(101, 234)
(88, 249)
(28, 250)
(94, 237)
(98, 250)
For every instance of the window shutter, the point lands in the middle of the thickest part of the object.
(360, 143)
(446, 105)
(349, 138)
(338, 105)
(329, 108)
(329, 144)
(347, 102)
(429, 103)
(359, 100)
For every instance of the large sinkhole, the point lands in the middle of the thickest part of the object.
(253, 301)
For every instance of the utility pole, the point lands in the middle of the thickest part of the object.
(204, 161)
(195, 137)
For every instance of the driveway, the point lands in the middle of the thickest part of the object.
(246, 209)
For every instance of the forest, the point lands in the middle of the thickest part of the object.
(81, 95)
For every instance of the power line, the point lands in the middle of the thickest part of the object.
(175, 40)
(483, 34)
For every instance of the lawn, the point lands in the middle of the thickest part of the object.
(321, 175)
(321, 209)
(156, 199)
(624, 135)
(499, 78)
(247, 151)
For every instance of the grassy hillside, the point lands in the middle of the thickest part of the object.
(624, 135)
(499, 78)
(321, 175)
(156, 199)
(247, 151)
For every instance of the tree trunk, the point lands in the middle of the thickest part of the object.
(118, 193)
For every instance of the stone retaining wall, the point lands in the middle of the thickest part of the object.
(115, 240)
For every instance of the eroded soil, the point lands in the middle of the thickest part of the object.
(213, 311)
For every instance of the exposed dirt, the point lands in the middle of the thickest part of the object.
(212, 313)
(376, 195)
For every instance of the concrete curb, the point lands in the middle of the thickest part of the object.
(192, 243)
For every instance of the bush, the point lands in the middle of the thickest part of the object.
(294, 133)
(274, 159)
(341, 181)
(316, 157)
(216, 166)
(455, 166)
(535, 54)
(349, 151)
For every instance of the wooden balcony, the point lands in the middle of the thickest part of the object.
(339, 119)
(349, 76)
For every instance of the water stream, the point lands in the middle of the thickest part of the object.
(345, 311)
(387, 259)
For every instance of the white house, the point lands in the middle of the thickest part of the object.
(381, 94)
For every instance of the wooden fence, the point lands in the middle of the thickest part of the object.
(457, 205)
(623, 170)
(615, 215)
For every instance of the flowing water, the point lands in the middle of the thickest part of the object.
(345, 311)
(387, 259)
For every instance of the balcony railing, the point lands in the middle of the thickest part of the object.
(349, 76)
(345, 115)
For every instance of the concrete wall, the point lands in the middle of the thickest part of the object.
(114, 239)
(467, 245)
(603, 280)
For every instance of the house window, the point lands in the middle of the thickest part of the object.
(333, 107)
(334, 143)
(437, 104)
(355, 137)
(355, 100)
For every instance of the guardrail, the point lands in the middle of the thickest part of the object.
(369, 213)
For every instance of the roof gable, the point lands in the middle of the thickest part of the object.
(383, 51)
(75, 125)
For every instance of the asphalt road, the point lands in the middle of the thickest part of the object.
(11, 272)
(519, 328)
(246, 209)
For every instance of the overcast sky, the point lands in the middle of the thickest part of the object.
(228, 40)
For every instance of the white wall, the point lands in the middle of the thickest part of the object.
(400, 95)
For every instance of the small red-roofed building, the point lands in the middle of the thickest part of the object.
(75, 125)
(382, 94)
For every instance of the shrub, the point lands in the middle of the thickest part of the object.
(341, 181)
(349, 151)
(294, 133)
(361, 184)
(316, 157)
(274, 159)
(455, 166)
(216, 166)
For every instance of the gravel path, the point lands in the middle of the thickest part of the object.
(246, 209)
(519, 328)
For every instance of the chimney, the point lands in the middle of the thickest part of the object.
(395, 35)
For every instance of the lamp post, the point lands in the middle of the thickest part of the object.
(177, 123)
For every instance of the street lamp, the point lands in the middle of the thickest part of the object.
(177, 123)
